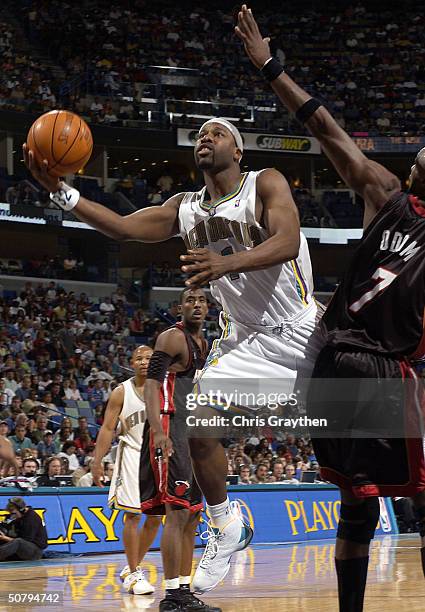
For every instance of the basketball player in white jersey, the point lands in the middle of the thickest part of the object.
(127, 407)
(258, 265)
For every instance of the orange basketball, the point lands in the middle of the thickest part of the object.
(64, 139)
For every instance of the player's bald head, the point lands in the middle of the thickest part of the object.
(420, 163)
(417, 175)
(139, 350)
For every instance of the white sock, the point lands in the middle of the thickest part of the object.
(220, 514)
(184, 580)
(172, 583)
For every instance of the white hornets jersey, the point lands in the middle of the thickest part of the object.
(263, 297)
(132, 416)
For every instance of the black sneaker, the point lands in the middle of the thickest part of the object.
(170, 605)
(191, 603)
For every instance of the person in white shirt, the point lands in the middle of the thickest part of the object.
(71, 390)
(68, 451)
(106, 307)
(289, 475)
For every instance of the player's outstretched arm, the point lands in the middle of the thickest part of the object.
(281, 220)
(369, 179)
(168, 347)
(153, 224)
(106, 433)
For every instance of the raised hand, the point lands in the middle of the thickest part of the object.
(257, 48)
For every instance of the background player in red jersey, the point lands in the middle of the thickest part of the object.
(365, 337)
(167, 483)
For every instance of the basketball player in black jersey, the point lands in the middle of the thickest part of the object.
(373, 325)
(167, 484)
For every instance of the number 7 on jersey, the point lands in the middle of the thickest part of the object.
(384, 278)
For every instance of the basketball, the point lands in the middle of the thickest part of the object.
(63, 138)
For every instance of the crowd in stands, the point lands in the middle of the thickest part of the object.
(269, 460)
(61, 355)
(365, 60)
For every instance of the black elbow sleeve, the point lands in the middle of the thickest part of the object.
(158, 365)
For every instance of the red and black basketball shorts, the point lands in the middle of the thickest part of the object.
(168, 480)
(357, 394)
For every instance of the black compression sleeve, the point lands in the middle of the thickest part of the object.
(158, 365)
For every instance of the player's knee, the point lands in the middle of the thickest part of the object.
(153, 521)
(358, 522)
(178, 518)
(132, 518)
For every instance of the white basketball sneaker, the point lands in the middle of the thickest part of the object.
(221, 544)
(125, 572)
(137, 584)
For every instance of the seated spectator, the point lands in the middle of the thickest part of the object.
(71, 390)
(95, 393)
(278, 472)
(6, 395)
(47, 447)
(68, 453)
(24, 389)
(4, 429)
(82, 442)
(289, 475)
(41, 428)
(106, 307)
(52, 468)
(19, 440)
(244, 475)
(261, 474)
(57, 396)
(30, 467)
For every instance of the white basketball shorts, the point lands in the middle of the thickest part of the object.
(259, 359)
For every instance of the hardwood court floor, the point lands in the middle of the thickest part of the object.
(292, 578)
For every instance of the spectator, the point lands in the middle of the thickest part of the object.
(38, 433)
(68, 453)
(290, 475)
(71, 391)
(47, 447)
(278, 472)
(53, 467)
(30, 467)
(260, 474)
(19, 440)
(244, 475)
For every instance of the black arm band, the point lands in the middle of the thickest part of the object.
(305, 111)
(158, 365)
(271, 69)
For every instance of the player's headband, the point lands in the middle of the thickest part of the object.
(233, 129)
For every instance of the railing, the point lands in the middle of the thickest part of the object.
(203, 109)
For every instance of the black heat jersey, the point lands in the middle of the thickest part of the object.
(179, 384)
(184, 380)
(379, 306)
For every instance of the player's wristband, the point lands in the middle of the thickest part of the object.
(305, 111)
(66, 197)
(271, 69)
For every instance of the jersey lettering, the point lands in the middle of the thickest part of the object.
(384, 278)
(397, 244)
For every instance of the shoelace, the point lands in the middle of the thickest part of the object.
(236, 510)
(211, 549)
